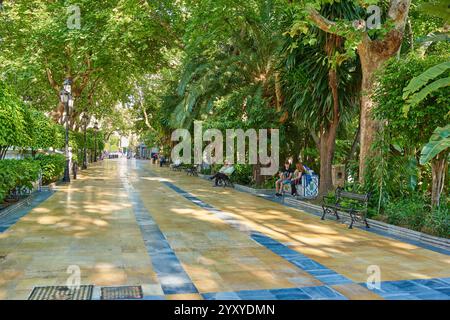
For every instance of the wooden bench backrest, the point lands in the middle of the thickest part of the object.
(340, 193)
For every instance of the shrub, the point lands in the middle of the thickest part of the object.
(415, 213)
(437, 222)
(407, 212)
(52, 166)
(17, 173)
(206, 171)
(242, 174)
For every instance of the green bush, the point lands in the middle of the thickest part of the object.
(17, 173)
(407, 212)
(52, 166)
(242, 174)
(415, 213)
(437, 222)
(206, 171)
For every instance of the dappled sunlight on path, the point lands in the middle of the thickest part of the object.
(132, 223)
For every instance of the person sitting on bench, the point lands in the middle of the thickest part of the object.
(296, 178)
(223, 173)
(176, 164)
(285, 178)
(162, 160)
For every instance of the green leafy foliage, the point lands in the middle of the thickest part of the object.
(413, 212)
(52, 166)
(439, 142)
(415, 129)
(17, 174)
(421, 82)
(12, 120)
(22, 126)
(242, 174)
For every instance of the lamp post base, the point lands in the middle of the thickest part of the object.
(66, 173)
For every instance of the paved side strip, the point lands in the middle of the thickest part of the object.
(317, 270)
(13, 217)
(170, 272)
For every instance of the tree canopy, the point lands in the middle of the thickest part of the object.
(360, 83)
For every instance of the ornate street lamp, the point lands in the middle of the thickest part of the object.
(66, 99)
(95, 140)
(85, 121)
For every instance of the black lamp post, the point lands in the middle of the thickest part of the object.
(85, 123)
(95, 140)
(66, 98)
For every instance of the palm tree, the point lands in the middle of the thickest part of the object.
(323, 86)
(241, 67)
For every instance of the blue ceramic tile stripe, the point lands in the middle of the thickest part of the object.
(170, 272)
(417, 289)
(317, 270)
(12, 218)
(305, 293)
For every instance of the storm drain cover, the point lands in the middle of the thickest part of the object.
(123, 292)
(61, 293)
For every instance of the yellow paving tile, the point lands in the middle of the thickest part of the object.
(348, 252)
(91, 224)
(184, 297)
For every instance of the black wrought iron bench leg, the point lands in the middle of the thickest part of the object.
(367, 223)
(337, 215)
(352, 218)
(324, 213)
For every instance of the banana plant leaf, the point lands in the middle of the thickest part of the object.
(422, 94)
(421, 80)
(439, 141)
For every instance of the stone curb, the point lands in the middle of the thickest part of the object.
(21, 203)
(26, 201)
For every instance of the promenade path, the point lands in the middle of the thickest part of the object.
(128, 222)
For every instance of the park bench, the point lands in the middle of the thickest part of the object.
(192, 171)
(355, 204)
(226, 181)
(176, 166)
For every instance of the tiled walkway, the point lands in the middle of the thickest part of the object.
(133, 223)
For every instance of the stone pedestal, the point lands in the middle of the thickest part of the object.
(338, 174)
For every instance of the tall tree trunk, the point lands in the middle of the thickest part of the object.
(257, 177)
(327, 147)
(438, 169)
(372, 53)
(368, 125)
(328, 139)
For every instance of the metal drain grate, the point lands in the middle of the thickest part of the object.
(61, 293)
(120, 293)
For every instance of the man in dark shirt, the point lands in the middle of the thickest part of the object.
(285, 178)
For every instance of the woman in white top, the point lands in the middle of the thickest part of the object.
(297, 178)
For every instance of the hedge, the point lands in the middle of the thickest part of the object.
(17, 173)
(52, 166)
(23, 173)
